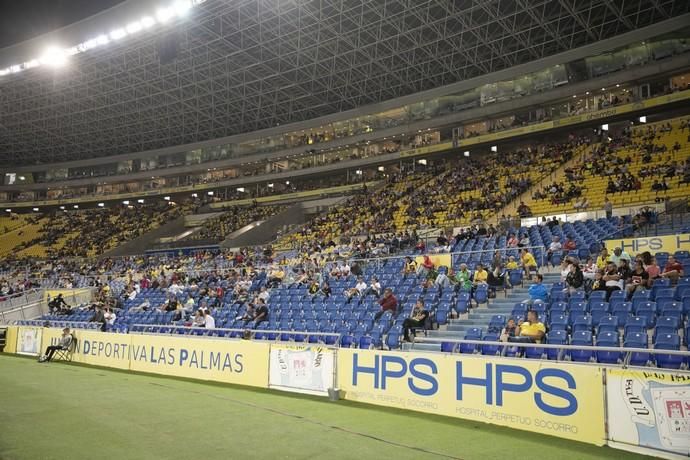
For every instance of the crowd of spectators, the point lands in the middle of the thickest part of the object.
(232, 219)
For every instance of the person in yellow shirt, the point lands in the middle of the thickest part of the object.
(531, 331)
(603, 259)
(528, 263)
(511, 264)
(480, 275)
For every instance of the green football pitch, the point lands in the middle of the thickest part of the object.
(67, 411)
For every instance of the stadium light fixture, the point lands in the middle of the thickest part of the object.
(62, 207)
(287, 182)
(466, 153)
(126, 202)
(147, 21)
(605, 127)
(240, 189)
(166, 198)
(134, 27)
(140, 201)
(8, 210)
(53, 57)
(494, 148)
(194, 195)
(270, 185)
(101, 205)
(182, 7)
(381, 168)
(118, 34)
(210, 193)
(76, 206)
(35, 209)
(358, 172)
(643, 119)
(22, 178)
(422, 161)
(163, 15)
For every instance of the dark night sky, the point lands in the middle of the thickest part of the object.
(24, 19)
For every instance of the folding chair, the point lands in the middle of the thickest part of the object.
(66, 354)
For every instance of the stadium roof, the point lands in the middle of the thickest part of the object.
(237, 66)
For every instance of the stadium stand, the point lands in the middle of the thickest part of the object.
(645, 164)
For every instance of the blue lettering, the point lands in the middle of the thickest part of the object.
(396, 374)
(416, 373)
(101, 345)
(501, 386)
(161, 356)
(171, 356)
(356, 369)
(202, 360)
(485, 382)
(183, 356)
(86, 347)
(570, 398)
(239, 364)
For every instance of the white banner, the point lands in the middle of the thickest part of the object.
(649, 409)
(29, 340)
(302, 369)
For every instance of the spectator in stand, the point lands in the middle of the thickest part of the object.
(528, 263)
(209, 321)
(589, 269)
(638, 277)
(110, 316)
(537, 291)
(570, 244)
(618, 255)
(553, 247)
(608, 208)
(463, 278)
(673, 270)
(358, 290)
(512, 241)
(388, 303)
(511, 330)
(99, 317)
(598, 284)
(613, 280)
(426, 267)
(652, 269)
(511, 264)
(575, 278)
(326, 289)
(260, 313)
(374, 288)
(410, 266)
(276, 275)
(531, 331)
(313, 288)
(416, 320)
(603, 259)
(198, 320)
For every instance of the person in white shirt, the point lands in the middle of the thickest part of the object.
(132, 295)
(374, 287)
(589, 269)
(264, 294)
(553, 247)
(209, 321)
(110, 316)
(175, 289)
(359, 289)
(189, 304)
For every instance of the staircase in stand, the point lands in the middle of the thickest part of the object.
(480, 317)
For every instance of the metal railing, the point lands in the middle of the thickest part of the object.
(57, 323)
(626, 353)
(20, 299)
(238, 333)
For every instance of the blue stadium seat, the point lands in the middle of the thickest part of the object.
(668, 342)
(637, 340)
(581, 338)
(555, 338)
(608, 339)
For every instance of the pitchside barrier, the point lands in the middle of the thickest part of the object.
(636, 408)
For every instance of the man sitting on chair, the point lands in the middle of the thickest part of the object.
(64, 344)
